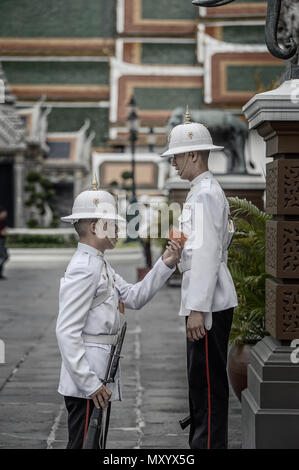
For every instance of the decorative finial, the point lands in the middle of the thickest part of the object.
(187, 116)
(95, 184)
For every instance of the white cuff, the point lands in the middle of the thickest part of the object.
(164, 266)
(98, 386)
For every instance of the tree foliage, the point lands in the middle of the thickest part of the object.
(40, 192)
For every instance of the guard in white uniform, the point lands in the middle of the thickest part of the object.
(89, 319)
(208, 295)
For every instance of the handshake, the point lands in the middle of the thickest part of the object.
(173, 252)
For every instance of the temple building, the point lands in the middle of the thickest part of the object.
(74, 66)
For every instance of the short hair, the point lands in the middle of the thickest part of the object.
(81, 226)
(204, 155)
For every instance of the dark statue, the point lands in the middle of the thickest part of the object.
(289, 48)
(226, 130)
(288, 25)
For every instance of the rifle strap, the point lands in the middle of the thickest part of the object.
(100, 299)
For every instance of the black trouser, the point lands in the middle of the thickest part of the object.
(79, 412)
(208, 385)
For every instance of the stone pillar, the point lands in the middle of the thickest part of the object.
(270, 404)
(19, 190)
(78, 182)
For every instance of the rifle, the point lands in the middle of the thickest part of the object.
(98, 425)
(184, 423)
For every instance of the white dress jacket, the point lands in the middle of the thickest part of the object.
(88, 275)
(207, 285)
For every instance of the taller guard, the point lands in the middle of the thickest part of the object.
(89, 320)
(208, 295)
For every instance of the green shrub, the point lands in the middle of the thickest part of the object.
(39, 193)
(41, 241)
(32, 223)
(247, 267)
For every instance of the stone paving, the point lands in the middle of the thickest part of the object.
(32, 414)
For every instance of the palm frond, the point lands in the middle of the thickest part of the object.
(243, 209)
(247, 266)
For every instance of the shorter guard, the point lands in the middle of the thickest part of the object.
(89, 320)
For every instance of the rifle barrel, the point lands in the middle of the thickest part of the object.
(95, 424)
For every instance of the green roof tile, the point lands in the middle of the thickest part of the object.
(57, 73)
(50, 19)
(71, 119)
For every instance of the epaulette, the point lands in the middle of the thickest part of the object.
(206, 183)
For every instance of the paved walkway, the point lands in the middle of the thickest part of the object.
(32, 414)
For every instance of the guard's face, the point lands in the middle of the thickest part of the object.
(179, 162)
(107, 230)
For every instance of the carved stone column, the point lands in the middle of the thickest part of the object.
(270, 404)
(19, 190)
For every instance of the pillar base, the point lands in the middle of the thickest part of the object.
(270, 404)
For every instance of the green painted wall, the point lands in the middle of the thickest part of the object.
(76, 73)
(175, 54)
(169, 9)
(244, 34)
(242, 78)
(53, 18)
(167, 98)
(71, 119)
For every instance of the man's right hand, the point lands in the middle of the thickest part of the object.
(195, 326)
(173, 252)
(101, 397)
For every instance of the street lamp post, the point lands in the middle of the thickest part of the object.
(151, 140)
(133, 124)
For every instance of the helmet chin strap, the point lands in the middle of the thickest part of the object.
(185, 163)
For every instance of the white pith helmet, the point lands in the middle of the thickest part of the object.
(93, 204)
(189, 137)
(144, 199)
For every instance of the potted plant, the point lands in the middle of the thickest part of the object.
(247, 266)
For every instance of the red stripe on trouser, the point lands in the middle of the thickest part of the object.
(86, 421)
(209, 391)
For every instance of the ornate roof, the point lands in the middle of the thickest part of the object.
(12, 131)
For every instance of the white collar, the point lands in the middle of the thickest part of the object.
(205, 174)
(89, 249)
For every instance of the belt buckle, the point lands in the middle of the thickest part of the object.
(116, 339)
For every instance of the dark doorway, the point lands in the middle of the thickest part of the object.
(7, 191)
